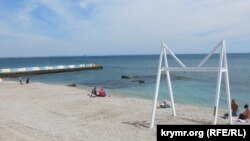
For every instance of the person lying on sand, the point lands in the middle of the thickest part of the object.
(164, 104)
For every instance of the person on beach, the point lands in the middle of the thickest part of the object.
(94, 93)
(164, 104)
(20, 80)
(246, 113)
(235, 108)
(27, 81)
(102, 92)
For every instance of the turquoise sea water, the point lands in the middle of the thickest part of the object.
(189, 88)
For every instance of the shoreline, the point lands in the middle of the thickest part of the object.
(39, 111)
(135, 92)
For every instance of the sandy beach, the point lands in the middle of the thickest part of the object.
(42, 112)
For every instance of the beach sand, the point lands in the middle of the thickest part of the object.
(43, 112)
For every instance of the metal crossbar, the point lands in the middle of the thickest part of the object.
(193, 69)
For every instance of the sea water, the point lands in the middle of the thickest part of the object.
(188, 88)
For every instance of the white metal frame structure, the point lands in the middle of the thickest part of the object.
(222, 68)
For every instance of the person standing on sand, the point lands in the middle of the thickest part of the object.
(27, 81)
(234, 107)
(20, 80)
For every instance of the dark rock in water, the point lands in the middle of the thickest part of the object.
(72, 85)
(126, 77)
(139, 81)
(181, 78)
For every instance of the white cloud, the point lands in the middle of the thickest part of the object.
(84, 4)
(177, 22)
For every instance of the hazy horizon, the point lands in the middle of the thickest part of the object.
(114, 55)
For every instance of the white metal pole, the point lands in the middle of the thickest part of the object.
(227, 84)
(218, 87)
(176, 58)
(156, 89)
(169, 84)
(210, 54)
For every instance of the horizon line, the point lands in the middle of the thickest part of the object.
(109, 55)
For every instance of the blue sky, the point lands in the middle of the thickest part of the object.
(120, 27)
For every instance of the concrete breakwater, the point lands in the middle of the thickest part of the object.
(15, 72)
